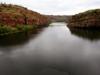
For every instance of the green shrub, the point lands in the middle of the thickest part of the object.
(7, 29)
(24, 27)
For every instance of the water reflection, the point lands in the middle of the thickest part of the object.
(54, 51)
(18, 38)
(32, 58)
(90, 34)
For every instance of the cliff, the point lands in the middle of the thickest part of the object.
(13, 15)
(88, 19)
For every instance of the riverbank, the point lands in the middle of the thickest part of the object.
(15, 19)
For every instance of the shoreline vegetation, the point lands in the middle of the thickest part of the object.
(15, 19)
(88, 19)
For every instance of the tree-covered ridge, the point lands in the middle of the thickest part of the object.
(90, 18)
(17, 15)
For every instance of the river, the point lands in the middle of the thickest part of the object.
(56, 50)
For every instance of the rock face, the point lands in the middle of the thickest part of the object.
(17, 15)
(88, 19)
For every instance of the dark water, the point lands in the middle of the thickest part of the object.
(56, 50)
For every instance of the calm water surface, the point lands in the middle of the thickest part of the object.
(56, 50)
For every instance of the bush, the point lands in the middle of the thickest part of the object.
(19, 28)
(24, 27)
(7, 30)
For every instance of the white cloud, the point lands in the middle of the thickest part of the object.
(57, 6)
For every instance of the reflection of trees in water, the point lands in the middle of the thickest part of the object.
(90, 34)
(17, 38)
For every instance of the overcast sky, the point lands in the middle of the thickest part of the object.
(55, 7)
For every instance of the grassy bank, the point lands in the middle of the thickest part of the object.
(6, 30)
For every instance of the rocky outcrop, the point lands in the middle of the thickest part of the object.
(13, 15)
(88, 19)
(16, 19)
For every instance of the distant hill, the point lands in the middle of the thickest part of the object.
(17, 15)
(58, 18)
(88, 19)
